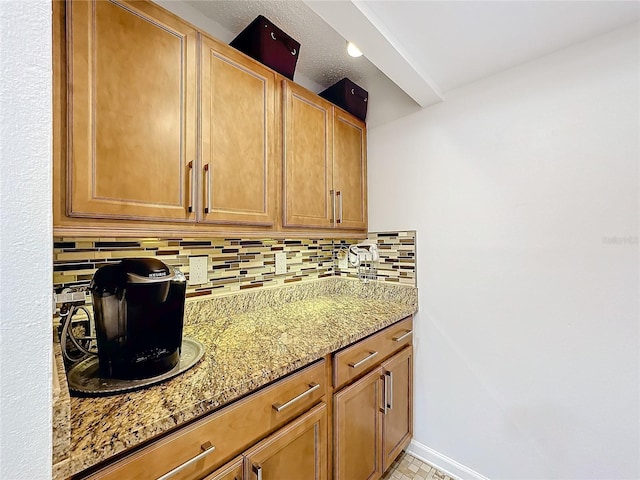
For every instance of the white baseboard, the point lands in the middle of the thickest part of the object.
(443, 463)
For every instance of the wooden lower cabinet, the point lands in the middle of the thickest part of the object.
(358, 429)
(282, 431)
(234, 470)
(373, 420)
(230, 431)
(296, 451)
(397, 420)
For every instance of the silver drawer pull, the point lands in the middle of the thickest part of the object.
(207, 447)
(278, 407)
(257, 469)
(365, 359)
(402, 337)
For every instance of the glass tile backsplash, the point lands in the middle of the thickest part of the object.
(234, 264)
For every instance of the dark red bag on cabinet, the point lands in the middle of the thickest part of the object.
(265, 42)
(349, 96)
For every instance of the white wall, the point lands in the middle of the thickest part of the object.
(25, 240)
(524, 191)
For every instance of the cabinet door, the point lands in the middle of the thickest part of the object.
(357, 429)
(238, 128)
(231, 471)
(397, 422)
(308, 163)
(296, 451)
(350, 171)
(132, 111)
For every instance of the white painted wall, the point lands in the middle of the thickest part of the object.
(524, 191)
(25, 240)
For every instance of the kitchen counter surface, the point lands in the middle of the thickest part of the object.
(245, 348)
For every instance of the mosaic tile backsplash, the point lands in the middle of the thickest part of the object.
(397, 261)
(233, 264)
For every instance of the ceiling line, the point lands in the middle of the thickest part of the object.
(357, 23)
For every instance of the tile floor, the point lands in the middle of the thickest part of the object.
(407, 467)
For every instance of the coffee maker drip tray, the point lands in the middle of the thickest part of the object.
(84, 377)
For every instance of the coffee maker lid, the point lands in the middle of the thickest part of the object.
(146, 270)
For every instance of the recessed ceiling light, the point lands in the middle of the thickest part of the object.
(353, 50)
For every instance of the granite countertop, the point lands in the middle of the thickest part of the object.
(250, 340)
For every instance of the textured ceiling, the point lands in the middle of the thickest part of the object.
(323, 55)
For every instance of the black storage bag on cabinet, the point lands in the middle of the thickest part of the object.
(265, 42)
(349, 96)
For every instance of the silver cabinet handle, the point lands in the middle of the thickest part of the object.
(207, 173)
(207, 447)
(384, 394)
(278, 407)
(339, 195)
(257, 469)
(389, 393)
(365, 359)
(333, 205)
(402, 337)
(192, 185)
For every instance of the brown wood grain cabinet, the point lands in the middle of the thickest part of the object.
(373, 406)
(397, 419)
(325, 164)
(308, 159)
(297, 451)
(300, 426)
(194, 451)
(373, 420)
(161, 129)
(132, 111)
(238, 122)
(358, 429)
(349, 171)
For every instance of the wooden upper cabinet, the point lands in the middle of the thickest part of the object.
(308, 159)
(160, 129)
(238, 138)
(350, 171)
(325, 163)
(132, 111)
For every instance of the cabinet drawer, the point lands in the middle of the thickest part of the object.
(230, 431)
(362, 356)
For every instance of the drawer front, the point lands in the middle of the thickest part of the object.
(362, 356)
(224, 434)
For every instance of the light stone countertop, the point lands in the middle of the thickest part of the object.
(250, 339)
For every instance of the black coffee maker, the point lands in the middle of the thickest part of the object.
(138, 309)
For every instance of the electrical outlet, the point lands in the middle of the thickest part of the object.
(281, 263)
(198, 267)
